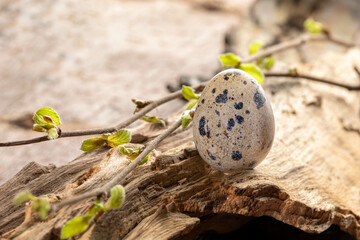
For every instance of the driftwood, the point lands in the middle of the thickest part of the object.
(310, 179)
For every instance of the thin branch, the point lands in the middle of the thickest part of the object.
(119, 179)
(24, 142)
(357, 71)
(302, 39)
(341, 42)
(312, 78)
(123, 124)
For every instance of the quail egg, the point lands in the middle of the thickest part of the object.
(233, 124)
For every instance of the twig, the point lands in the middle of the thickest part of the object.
(263, 53)
(357, 71)
(123, 124)
(119, 179)
(312, 78)
(302, 39)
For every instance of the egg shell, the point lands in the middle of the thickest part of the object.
(233, 124)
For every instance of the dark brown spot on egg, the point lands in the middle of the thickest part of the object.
(236, 156)
(211, 156)
(239, 119)
(238, 106)
(208, 132)
(227, 75)
(252, 164)
(222, 98)
(231, 123)
(202, 126)
(259, 99)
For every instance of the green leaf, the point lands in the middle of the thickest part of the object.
(145, 159)
(92, 144)
(268, 62)
(53, 133)
(133, 153)
(312, 26)
(75, 226)
(23, 196)
(42, 206)
(47, 115)
(191, 105)
(44, 127)
(153, 119)
(189, 93)
(126, 151)
(229, 59)
(39, 128)
(97, 207)
(255, 47)
(117, 196)
(120, 137)
(186, 118)
(292, 72)
(254, 71)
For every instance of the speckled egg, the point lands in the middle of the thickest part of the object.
(233, 124)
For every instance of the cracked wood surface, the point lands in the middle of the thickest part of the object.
(309, 180)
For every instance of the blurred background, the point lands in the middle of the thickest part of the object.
(88, 59)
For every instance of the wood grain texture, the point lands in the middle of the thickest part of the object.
(309, 180)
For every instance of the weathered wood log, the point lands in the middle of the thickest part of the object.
(310, 179)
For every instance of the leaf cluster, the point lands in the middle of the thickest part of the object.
(40, 205)
(231, 60)
(113, 140)
(47, 120)
(190, 95)
(314, 27)
(80, 224)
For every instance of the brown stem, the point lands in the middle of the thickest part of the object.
(357, 71)
(302, 39)
(263, 53)
(341, 42)
(123, 124)
(312, 78)
(119, 179)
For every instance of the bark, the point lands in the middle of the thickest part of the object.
(310, 179)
